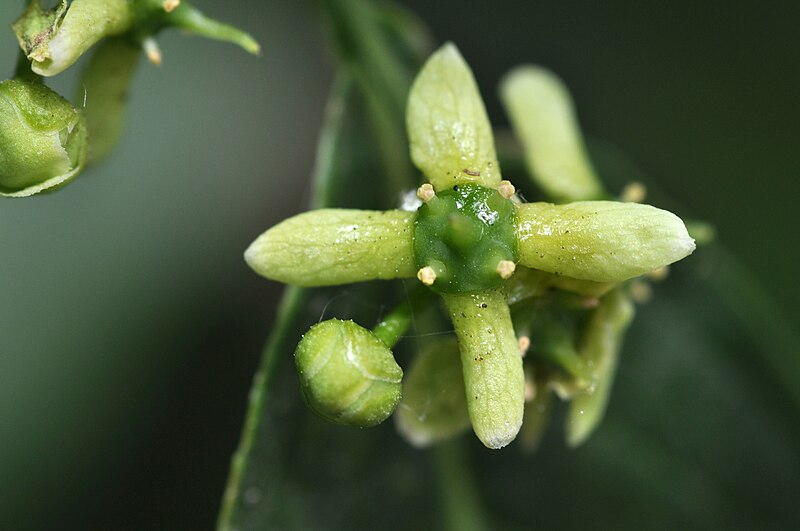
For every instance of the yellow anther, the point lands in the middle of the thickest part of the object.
(524, 345)
(170, 5)
(530, 390)
(659, 274)
(590, 302)
(506, 189)
(506, 268)
(634, 192)
(152, 51)
(640, 291)
(426, 192)
(427, 275)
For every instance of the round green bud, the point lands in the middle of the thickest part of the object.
(348, 375)
(464, 234)
(43, 140)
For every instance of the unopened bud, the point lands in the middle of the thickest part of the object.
(348, 375)
(42, 139)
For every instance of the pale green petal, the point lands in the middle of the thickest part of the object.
(449, 132)
(602, 241)
(336, 246)
(602, 342)
(492, 364)
(541, 112)
(434, 406)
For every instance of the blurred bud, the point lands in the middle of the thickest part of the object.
(602, 343)
(347, 375)
(53, 39)
(104, 88)
(434, 406)
(543, 117)
(43, 141)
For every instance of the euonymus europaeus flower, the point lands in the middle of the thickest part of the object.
(43, 142)
(477, 245)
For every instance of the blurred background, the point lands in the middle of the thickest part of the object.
(130, 327)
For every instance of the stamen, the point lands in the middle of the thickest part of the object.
(659, 274)
(506, 268)
(590, 302)
(152, 51)
(427, 275)
(524, 345)
(530, 390)
(640, 291)
(634, 192)
(506, 189)
(426, 192)
(170, 5)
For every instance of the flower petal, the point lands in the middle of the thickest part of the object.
(449, 132)
(336, 246)
(603, 241)
(492, 364)
(542, 114)
(602, 342)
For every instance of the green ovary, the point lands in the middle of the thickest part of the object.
(463, 233)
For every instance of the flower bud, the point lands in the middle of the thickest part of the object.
(347, 375)
(602, 342)
(54, 39)
(434, 406)
(42, 139)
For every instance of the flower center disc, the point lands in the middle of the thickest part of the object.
(463, 234)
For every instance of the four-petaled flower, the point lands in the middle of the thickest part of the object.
(467, 238)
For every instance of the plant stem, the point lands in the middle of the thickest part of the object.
(392, 327)
(463, 510)
(293, 300)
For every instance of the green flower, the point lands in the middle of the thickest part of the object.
(467, 239)
(42, 139)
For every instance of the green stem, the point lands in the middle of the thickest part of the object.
(463, 510)
(193, 20)
(392, 327)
